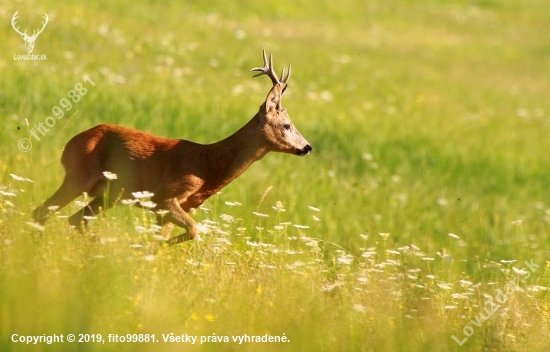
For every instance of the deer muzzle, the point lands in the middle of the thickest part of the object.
(304, 151)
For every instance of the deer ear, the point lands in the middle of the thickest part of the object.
(273, 100)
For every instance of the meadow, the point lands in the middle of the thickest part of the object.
(420, 222)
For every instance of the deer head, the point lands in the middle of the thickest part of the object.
(29, 40)
(277, 127)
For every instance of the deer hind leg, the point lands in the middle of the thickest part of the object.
(179, 217)
(69, 190)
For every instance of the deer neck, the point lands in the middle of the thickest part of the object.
(231, 156)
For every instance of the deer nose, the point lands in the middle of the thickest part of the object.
(305, 150)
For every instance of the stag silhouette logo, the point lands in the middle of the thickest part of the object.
(29, 39)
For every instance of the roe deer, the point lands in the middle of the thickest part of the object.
(181, 174)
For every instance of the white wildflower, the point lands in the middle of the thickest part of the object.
(384, 235)
(301, 227)
(312, 243)
(279, 208)
(519, 271)
(453, 235)
(53, 207)
(445, 286)
(109, 175)
(465, 283)
(392, 262)
(313, 208)
(154, 228)
(368, 254)
(233, 204)
(458, 296)
(148, 204)
(345, 259)
(89, 218)
(224, 240)
(227, 218)
(508, 261)
(260, 215)
(142, 195)
(129, 201)
(358, 308)
(149, 257)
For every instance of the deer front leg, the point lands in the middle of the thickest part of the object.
(179, 217)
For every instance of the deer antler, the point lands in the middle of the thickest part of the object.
(13, 20)
(268, 70)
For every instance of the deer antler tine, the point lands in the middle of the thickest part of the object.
(265, 58)
(267, 69)
(285, 79)
(261, 69)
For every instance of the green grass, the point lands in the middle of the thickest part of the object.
(426, 119)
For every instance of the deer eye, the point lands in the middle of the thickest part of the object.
(287, 126)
